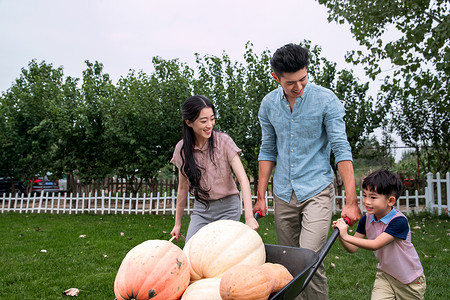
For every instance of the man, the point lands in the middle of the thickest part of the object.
(301, 123)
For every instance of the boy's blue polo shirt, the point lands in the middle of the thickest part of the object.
(300, 142)
(398, 227)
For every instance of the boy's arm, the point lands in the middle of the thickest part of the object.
(381, 241)
(343, 226)
(350, 247)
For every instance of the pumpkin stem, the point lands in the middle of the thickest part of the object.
(184, 239)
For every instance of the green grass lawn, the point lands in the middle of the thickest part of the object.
(90, 263)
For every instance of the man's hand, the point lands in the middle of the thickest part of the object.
(352, 211)
(261, 206)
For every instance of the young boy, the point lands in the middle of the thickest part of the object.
(399, 272)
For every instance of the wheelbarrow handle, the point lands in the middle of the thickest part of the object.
(324, 252)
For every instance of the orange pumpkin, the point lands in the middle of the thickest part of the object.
(245, 282)
(154, 269)
(279, 275)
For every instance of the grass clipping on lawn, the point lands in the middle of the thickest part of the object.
(85, 251)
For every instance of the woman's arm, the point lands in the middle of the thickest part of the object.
(239, 171)
(182, 194)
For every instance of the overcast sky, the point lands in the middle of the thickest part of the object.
(125, 35)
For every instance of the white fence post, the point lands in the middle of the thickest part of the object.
(165, 201)
(151, 203)
(3, 202)
(157, 203)
(439, 198)
(173, 202)
(429, 193)
(103, 202)
(447, 187)
(143, 202)
(116, 207)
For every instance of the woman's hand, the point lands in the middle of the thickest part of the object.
(176, 232)
(251, 221)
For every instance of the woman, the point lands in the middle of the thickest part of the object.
(203, 158)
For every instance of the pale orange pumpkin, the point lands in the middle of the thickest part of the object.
(203, 289)
(279, 275)
(154, 269)
(221, 245)
(244, 282)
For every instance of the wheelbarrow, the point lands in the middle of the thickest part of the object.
(301, 263)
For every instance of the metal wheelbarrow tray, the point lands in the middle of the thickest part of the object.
(301, 263)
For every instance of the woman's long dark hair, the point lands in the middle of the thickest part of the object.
(191, 110)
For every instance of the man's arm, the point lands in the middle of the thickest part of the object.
(264, 171)
(351, 208)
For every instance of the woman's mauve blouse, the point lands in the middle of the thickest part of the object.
(217, 177)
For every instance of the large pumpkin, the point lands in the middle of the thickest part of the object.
(203, 289)
(154, 269)
(221, 245)
(279, 275)
(243, 282)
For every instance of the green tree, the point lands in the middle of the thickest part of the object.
(89, 156)
(145, 120)
(27, 137)
(258, 83)
(373, 155)
(237, 90)
(64, 113)
(416, 96)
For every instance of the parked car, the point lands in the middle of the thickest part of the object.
(44, 184)
(63, 184)
(6, 185)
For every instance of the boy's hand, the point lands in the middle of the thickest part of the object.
(341, 225)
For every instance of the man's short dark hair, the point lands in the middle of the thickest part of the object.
(384, 182)
(290, 58)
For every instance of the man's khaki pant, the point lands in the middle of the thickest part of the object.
(306, 225)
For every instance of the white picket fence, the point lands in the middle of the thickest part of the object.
(433, 201)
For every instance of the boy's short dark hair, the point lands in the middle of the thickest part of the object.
(384, 182)
(290, 58)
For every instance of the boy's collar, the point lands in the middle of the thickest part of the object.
(386, 218)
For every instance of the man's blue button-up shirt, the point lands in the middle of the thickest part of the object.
(300, 141)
